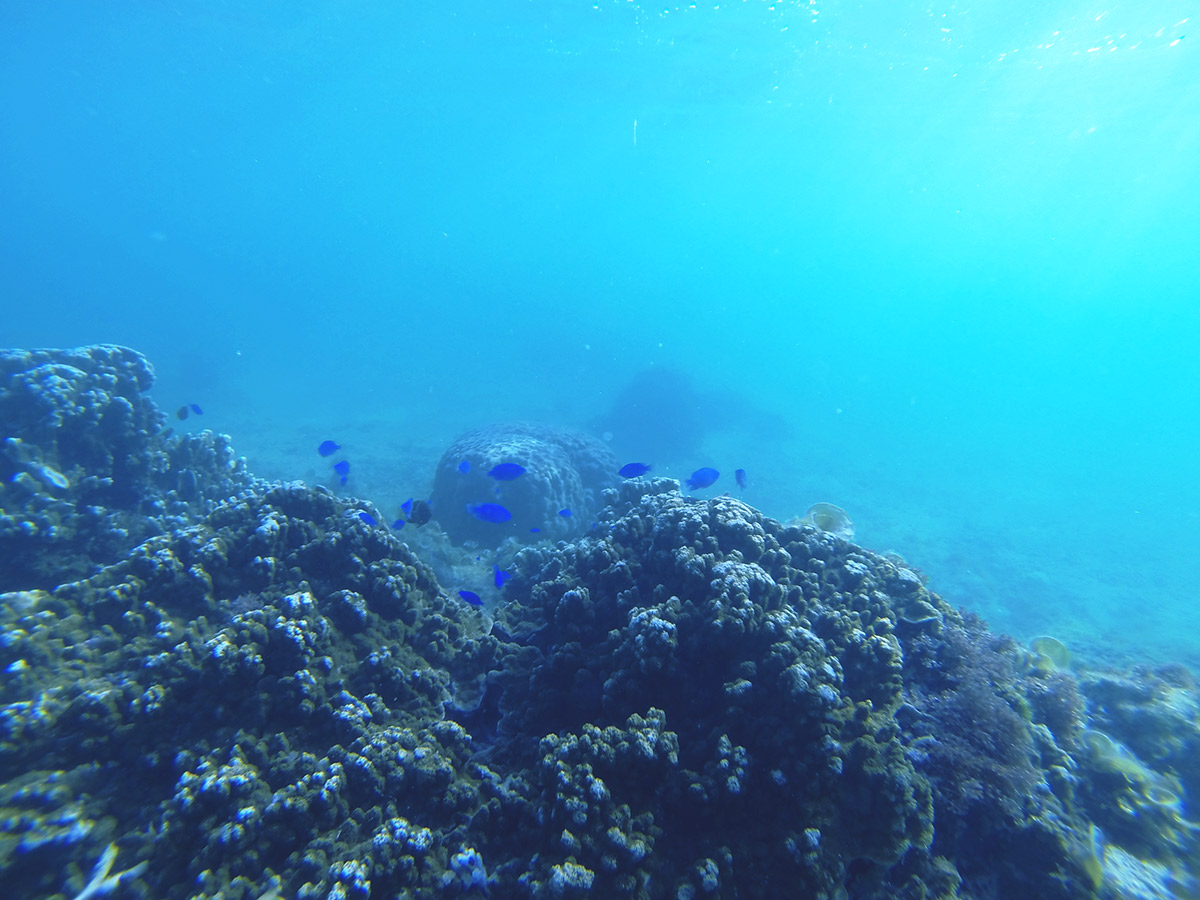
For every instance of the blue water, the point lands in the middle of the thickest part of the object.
(935, 264)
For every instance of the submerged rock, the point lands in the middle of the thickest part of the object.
(557, 496)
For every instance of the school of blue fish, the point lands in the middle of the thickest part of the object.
(418, 512)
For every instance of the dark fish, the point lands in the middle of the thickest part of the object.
(471, 597)
(633, 470)
(368, 518)
(500, 575)
(196, 409)
(406, 506)
(565, 513)
(421, 513)
(535, 530)
(342, 468)
(398, 524)
(328, 448)
(702, 478)
(740, 475)
(464, 467)
(181, 413)
(489, 512)
(506, 471)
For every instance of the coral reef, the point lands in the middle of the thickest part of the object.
(1140, 760)
(234, 691)
(787, 664)
(87, 468)
(564, 470)
(268, 696)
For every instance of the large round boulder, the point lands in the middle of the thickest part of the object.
(557, 496)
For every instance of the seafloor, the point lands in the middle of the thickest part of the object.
(216, 686)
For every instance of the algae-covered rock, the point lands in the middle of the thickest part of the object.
(1139, 761)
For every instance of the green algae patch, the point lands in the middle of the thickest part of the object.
(831, 519)
(1049, 653)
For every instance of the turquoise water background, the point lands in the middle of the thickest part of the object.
(937, 264)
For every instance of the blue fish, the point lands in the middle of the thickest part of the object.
(534, 530)
(489, 512)
(196, 409)
(471, 597)
(368, 518)
(464, 467)
(342, 468)
(506, 471)
(500, 575)
(565, 513)
(398, 524)
(633, 470)
(328, 448)
(406, 506)
(343, 479)
(740, 475)
(702, 478)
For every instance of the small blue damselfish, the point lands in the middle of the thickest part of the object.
(633, 470)
(489, 512)
(500, 575)
(506, 471)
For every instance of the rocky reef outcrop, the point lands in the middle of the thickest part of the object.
(272, 697)
(88, 469)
